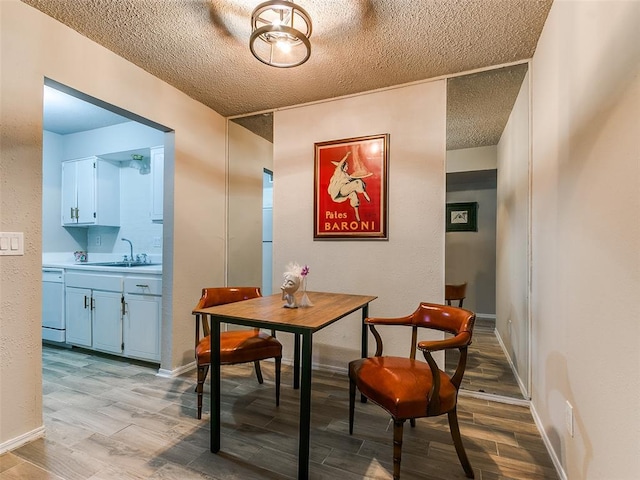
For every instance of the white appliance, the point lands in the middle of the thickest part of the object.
(53, 322)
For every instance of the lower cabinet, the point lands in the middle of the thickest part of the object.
(143, 316)
(107, 321)
(94, 311)
(115, 313)
(78, 313)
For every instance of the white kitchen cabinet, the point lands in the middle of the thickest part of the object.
(143, 316)
(157, 183)
(119, 313)
(94, 311)
(90, 192)
(78, 316)
(107, 321)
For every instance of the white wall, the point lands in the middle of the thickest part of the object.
(586, 236)
(34, 46)
(476, 158)
(512, 247)
(406, 269)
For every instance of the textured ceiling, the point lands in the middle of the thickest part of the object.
(201, 46)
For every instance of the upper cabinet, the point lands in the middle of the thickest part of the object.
(157, 181)
(90, 192)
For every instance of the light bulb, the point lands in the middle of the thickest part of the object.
(284, 46)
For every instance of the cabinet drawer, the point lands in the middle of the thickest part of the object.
(143, 285)
(112, 283)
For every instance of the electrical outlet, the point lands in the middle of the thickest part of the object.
(98, 240)
(157, 242)
(569, 418)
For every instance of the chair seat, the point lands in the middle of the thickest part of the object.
(240, 346)
(400, 385)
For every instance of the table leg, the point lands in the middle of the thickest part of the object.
(296, 361)
(365, 342)
(305, 408)
(215, 385)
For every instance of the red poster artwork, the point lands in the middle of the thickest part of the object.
(350, 188)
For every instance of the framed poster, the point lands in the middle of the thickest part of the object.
(462, 217)
(350, 188)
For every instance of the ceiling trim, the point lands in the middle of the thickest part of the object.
(389, 88)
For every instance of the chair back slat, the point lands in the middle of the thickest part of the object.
(445, 318)
(414, 342)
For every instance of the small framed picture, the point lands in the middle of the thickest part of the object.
(462, 217)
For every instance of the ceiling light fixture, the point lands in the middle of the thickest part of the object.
(280, 32)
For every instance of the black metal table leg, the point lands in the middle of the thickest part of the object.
(215, 385)
(296, 361)
(305, 408)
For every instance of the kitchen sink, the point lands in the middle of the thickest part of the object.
(120, 264)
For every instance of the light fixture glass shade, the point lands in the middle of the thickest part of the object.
(280, 32)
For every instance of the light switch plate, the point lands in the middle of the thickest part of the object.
(11, 243)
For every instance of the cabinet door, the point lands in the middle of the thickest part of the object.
(142, 326)
(107, 193)
(85, 191)
(107, 321)
(78, 316)
(157, 183)
(69, 193)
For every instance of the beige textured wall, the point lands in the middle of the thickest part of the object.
(406, 269)
(586, 236)
(34, 46)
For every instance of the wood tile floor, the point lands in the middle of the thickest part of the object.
(488, 370)
(108, 419)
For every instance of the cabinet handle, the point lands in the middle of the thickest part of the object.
(124, 305)
(142, 285)
(93, 304)
(72, 217)
(77, 217)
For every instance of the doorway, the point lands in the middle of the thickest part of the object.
(77, 126)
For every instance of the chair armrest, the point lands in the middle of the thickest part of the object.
(459, 341)
(373, 321)
(407, 320)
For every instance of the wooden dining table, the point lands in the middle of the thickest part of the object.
(269, 313)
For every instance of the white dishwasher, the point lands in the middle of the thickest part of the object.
(53, 321)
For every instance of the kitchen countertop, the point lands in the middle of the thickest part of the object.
(87, 267)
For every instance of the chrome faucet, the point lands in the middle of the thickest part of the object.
(130, 247)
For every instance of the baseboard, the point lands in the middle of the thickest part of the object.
(22, 440)
(547, 443)
(176, 372)
(523, 402)
(523, 388)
